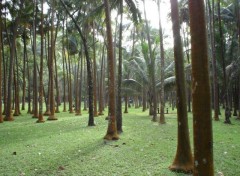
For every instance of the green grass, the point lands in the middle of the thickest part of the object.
(68, 147)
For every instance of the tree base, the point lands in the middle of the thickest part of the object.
(57, 111)
(35, 116)
(125, 112)
(186, 169)
(111, 136)
(16, 114)
(91, 125)
(47, 113)
(162, 122)
(1, 119)
(100, 113)
(78, 114)
(40, 121)
(9, 118)
(227, 122)
(51, 117)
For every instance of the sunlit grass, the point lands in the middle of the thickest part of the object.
(68, 147)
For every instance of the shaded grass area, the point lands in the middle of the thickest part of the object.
(68, 147)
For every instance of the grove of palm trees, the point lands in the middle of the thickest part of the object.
(120, 87)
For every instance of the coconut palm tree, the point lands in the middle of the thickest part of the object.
(112, 127)
(1, 117)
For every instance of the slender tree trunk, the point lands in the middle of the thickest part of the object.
(77, 101)
(35, 78)
(24, 69)
(1, 116)
(95, 111)
(183, 161)
(238, 97)
(202, 122)
(16, 90)
(51, 61)
(40, 116)
(112, 127)
(119, 87)
(64, 72)
(162, 95)
(101, 102)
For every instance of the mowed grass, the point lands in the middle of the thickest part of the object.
(68, 147)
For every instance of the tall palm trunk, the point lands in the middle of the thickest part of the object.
(112, 127)
(64, 70)
(1, 117)
(202, 122)
(183, 161)
(101, 80)
(16, 89)
(24, 68)
(77, 99)
(119, 86)
(95, 111)
(51, 61)
(35, 79)
(162, 96)
(40, 116)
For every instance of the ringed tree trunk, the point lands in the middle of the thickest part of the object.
(202, 122)
(40, 116)
(183, 161)
(35, 79)
(112, 127)
(162, 101)
(1, 116)
(24, 68)
(101, 80)
(238, 98)
(16, 89)
(51, 66)
(95, 111)
(119, 88)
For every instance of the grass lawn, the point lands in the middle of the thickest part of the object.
(68, 147)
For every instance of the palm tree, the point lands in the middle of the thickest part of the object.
(40, 116)
(112, 128)
(202, 122)
(183, 161)
(51, 67)
(35, 79)
(152, 71)
(162, 102)
(119, 89)
(1, 117)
